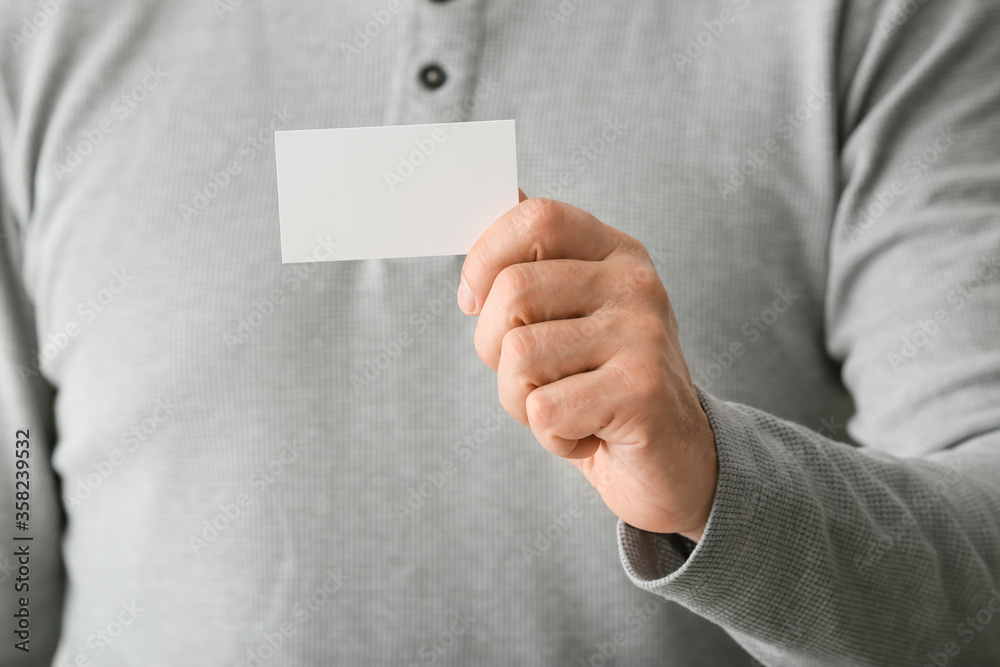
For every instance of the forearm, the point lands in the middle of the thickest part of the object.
(816, 551)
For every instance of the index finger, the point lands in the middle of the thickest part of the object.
(535, 229)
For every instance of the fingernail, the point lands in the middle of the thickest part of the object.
(466, 301)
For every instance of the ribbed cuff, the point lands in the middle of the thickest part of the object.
(659, 563)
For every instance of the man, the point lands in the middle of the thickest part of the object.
(751, 224)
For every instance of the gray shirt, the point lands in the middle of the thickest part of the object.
(239, 462)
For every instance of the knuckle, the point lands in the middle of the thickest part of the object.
(651, 332)
(513, 281)
(540, 408)
(538, 218)
(518, 347)
(600, 323)
(643, 279)
(640, 286)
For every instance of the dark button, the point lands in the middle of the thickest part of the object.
(439, 0)
(433, 77)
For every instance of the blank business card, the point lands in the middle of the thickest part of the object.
(392, 191)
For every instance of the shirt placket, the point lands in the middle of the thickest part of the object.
(436, 66)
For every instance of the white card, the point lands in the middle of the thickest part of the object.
(392, 191)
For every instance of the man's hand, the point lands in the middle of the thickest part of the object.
(579, 328)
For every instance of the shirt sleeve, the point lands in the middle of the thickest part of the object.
(821, 553)
(31, 569)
